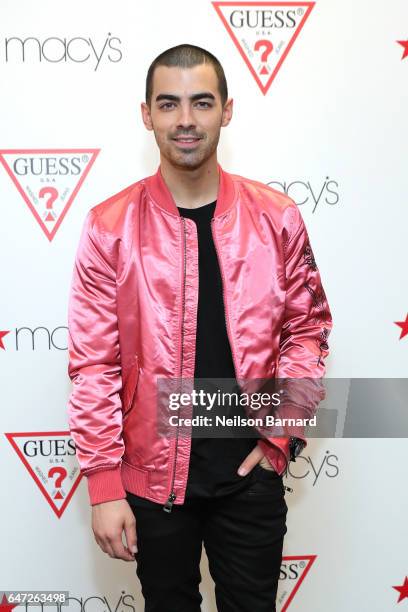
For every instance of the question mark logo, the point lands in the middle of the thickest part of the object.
(59, 480)
(268, 47)
(53, 195)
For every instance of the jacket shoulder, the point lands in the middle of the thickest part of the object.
(110, 212)
(118, 200)
(278, 205)
(263, 195)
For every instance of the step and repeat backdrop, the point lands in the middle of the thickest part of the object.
(320, 95)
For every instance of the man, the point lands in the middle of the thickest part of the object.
(191, 273)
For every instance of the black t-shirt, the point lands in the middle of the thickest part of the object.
(214, 461)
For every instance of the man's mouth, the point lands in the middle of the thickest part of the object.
(187, 140)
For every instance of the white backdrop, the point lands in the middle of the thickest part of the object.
(334, 120)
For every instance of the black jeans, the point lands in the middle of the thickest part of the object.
(243, 537)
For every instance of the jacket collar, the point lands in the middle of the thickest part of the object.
(162, 196)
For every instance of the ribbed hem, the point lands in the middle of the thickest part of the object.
(135, 480)
(105, 485)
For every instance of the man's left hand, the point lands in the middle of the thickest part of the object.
(255, 456)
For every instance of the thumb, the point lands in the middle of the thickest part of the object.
(250, 461)
(130, 535)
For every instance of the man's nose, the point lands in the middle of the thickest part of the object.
(186, 117)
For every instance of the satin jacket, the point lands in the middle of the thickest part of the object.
(132, 318)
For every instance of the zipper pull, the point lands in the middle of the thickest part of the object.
(288, 489)
(169, 503)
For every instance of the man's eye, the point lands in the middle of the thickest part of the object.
(167, 105)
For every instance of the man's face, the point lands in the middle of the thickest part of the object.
(186, 114)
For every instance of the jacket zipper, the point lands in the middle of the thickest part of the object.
(171, 498)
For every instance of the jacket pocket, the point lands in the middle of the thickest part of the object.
(129, 387)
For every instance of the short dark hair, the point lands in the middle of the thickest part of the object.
(186, 56)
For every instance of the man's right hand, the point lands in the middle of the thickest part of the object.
(109, 519)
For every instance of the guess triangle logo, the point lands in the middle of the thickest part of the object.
(48, 180)
(263, 33)
(51, 462)
(293, 571)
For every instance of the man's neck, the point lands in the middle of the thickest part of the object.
(192, 188)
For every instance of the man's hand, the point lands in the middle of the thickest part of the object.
(109, 519)
(255, 456)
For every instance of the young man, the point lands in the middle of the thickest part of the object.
(190, 273)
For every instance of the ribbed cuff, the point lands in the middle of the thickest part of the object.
(105, 485)
(276, 450)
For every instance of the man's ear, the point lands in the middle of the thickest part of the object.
(146, 116)
(227, 112)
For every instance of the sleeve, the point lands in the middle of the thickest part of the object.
(303, 342)
(94, 405)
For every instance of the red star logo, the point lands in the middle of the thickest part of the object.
(404, 326)
(403, 590)
(2, 334)
(5, 606)
(404, 43)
